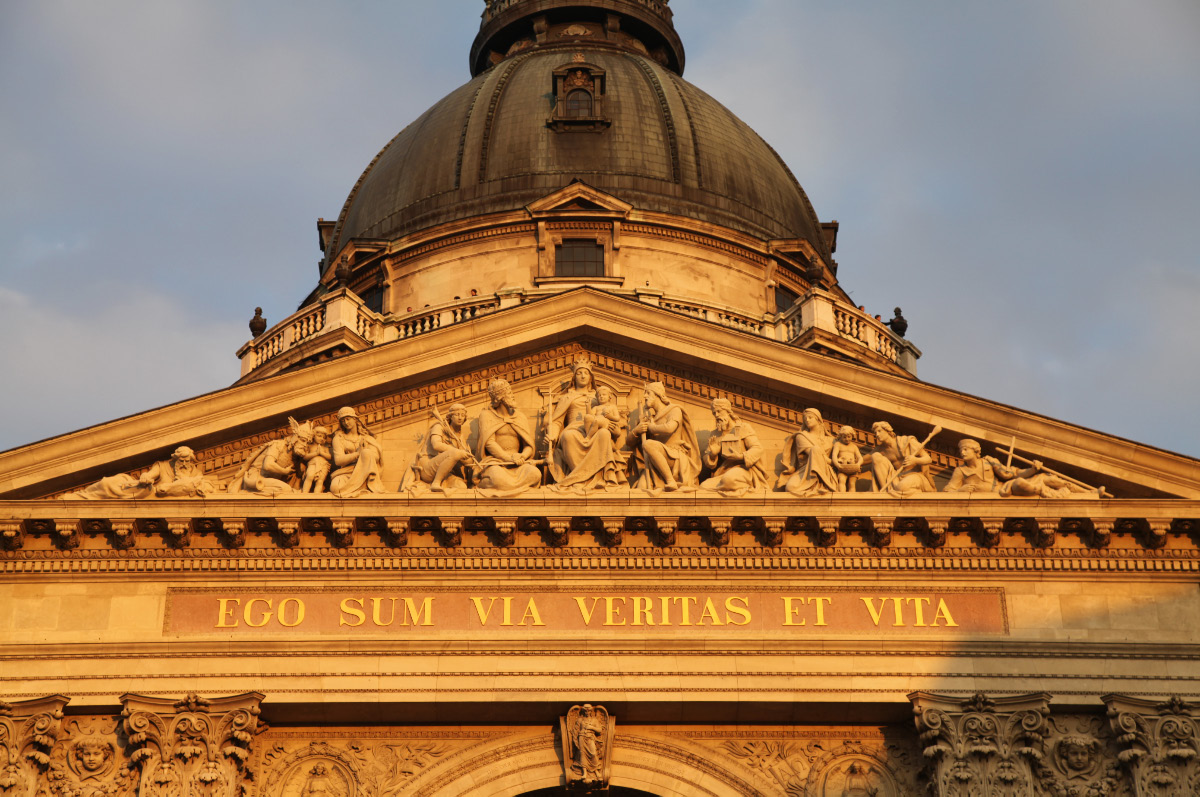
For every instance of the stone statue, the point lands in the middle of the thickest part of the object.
(988, 474)
(665, 454)
(584, 434)
(847, 459)
(807, 469)
(440, 464)
(316, 456)
(734, 455)
(270, 468)
(900, 463)
(587, 727)
(178, 477)
(505, 446)
(898, 323)
(357, 455)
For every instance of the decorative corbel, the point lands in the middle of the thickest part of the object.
(558, 531)
(192, 747)
(124, 534)
(505, 535)
(12, 534)
(1102, 530)
(234, 531)
(450, 533)
(1044, 531)
(771, 533)
(587, 734)
(395, 531)
(341, 531)
(984, 746)
(825, 532)
(719, 531)
(179, 532)
(1160, 744)
(883, 527)
(667, 531)
(287, 531)
(66, 533)
(612, 532)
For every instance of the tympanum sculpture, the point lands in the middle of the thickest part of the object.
(357, 456)
(665, 451)
(583, 431)
(505, 446)
(178, 477)
(440, 465)
(734, 455)
(807, 470)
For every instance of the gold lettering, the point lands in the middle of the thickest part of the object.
(876, 614)
(266, 616)
(742, 611)
(410, 610)
(587, 613)
(898, 606)
(612, 611)
(687, 609)
(299, 618)
(790, 610)
(920, 610)
(225, 612)
(821, 603)
(479, 610)
(531, 611)
(943, 612)
(348, 608)
(710, 611)
(642, 607)
(376, 615)
(665, 603)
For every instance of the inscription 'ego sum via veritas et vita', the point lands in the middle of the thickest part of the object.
(384, 611)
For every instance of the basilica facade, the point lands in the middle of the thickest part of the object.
(578, 472)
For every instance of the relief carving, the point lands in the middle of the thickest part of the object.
(1159, 745)
(587, 738)
(1081, 761)
(192, 747)
(734, 456)
(28, 730)
(178, 477)
(90, 762)
(585, 433)
(981, 747)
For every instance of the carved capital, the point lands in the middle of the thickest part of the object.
(981, 746)
(587, 734)
(28, 730)
(192, 747)
(1160, 744)
(233, 529)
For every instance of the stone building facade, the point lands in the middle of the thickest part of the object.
(579, 472)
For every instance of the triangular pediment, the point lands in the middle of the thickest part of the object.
(579, 197)
(769, 384)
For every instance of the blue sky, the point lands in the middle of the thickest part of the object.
(1022, 178)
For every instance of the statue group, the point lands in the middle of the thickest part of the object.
(583, 442)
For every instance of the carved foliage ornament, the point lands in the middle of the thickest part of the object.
(587, 739)
(1159, 745)
(90, 762)
(981, 747)
(193, 747)
(28, 730)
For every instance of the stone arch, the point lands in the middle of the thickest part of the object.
(642, 764)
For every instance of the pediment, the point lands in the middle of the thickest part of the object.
(393, 388)
(579, 197)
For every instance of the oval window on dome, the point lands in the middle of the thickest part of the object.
(579, 103)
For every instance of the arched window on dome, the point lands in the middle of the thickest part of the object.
(578, 99)
(579, 103)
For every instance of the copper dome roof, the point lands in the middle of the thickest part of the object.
(486, 148)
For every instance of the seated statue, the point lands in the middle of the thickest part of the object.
(505, 446)
(178, 477)
(440, 464)
(900, 463)
(665, 454)
(977, 474)
(584, 432)
(807, 470)
(734, 455)
(357, 456)
(271, 468)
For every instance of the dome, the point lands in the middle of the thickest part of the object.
(662, 146)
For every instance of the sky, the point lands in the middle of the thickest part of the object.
(1022, 178)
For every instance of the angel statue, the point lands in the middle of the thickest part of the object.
(587, 736)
